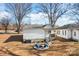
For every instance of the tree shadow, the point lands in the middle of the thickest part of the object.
(18, 38)
(65, 40)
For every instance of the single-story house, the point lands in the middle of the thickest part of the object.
(35, 32)
(69, 31)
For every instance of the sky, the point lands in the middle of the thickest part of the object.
(36, 18)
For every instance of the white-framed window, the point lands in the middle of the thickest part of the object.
(74, 33)
(62, 32)
(65, 32)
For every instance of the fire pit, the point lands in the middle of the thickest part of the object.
(41, 46)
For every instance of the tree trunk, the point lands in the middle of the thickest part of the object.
(50, 23)
(49, 35)
(18, 28)
(6, 29)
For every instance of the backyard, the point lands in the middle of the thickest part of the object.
(11, 45)
(19, 21)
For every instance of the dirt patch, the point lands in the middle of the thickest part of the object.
(54, 50)
(13, 47)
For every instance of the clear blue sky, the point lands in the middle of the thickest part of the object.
(37, 19)
(2, 7)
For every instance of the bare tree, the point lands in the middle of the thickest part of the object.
(75, 13)
(53, 11)
(19, 10)
(5, 23)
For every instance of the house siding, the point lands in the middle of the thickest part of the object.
(67, 33)
(64, 33)
(33, 34)
(75, 37)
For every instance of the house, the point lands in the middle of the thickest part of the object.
(35, 32)
(69, 31)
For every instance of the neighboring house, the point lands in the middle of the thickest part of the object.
(70, 31)
(35, 32)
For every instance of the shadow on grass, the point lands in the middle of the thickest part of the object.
(18, 38)
(8, 33)
(2, 33)
(65, 40)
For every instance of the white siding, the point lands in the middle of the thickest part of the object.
(69, 33)
(52, 31)
(75, 37)
(63, 34)
(33, 34)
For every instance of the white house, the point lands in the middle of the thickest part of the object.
(35, 32)
(70, 31)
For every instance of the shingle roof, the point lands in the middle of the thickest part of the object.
(69, 26)
(38, 26)
(33, 26)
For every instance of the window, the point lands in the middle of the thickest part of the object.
(65, 32)
(62, 32)
(58, 32)
(74, 33)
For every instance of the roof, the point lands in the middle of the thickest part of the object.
(48, 27)
(37, 26)
(33, 26)
(69, 26)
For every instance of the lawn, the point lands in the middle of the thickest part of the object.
(11, 44)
